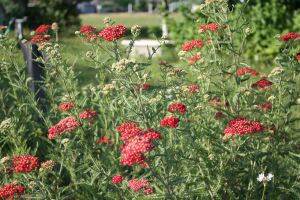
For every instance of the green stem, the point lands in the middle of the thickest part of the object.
(263, 195)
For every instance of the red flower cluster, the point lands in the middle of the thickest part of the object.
(193, 59)
(290, 36)
(265, 106)
(117, 179)
(88, 114)
(87, 29)
(11, 190)
(145, 87)
(112, 32)
(65, 125)
(243, 126)
(263, 84)
(137, 142)
(136, 185)
(172, 122)
(297, 56)
(194, 88)
(66, 106)
(180, 107)
(187, 46)
(42, 29)
(40, 39)
(245, 71)
(104, 140)
(24, 164)
(209, 27)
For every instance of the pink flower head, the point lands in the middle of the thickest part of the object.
(88, 114)
(65, 125)
(12, 189)
(148, 190)
(190, 45)
(180, 107)
(263, 84)
(66, 106)
(290, 36)
(242, 126)
(127, 125)
(87, 29)
(209, 27)
(194, 88)
(117, 179)
(245, 71)
(24, 164)
(136, 185)
(172, 122)
(43, 29)
(111, 33)
(194, 59)
(298, 56)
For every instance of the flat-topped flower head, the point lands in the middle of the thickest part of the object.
(66, 106)
(87, 29)
(12, 189)
(190, 45)
(87, 114)
(112, 33)
(171, 122)
(136, 184)
(263, 84)
(25, 164)
(65, 125)
(117, 179)
(246, 71)
(290, 37)
(42, 29)
(40, 39)
(209, 27)
(242, 126)
(180, 107)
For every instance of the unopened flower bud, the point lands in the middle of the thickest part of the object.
(136, 30)
(77, 32)
(48, 165)
(298, 101)
(32, 33)
(107, 20)
(54, 26)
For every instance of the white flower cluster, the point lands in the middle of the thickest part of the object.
(122, 65)
(262, 178)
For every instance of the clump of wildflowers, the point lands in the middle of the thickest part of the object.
(24, 164)
(12, 190)
(290, 36)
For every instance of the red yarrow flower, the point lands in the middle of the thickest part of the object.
(40, 39)
(172, 122)
(209, 27)
(12, 189)
(87, 114)
(127, 125)
(188, 46)
(265, 106)
(25, 164)
(66, 106)
(136, 185)
(298, 56)
(194, 59)
(194, 88)
(65, 125)
(290, 36)
(246, 71)
(87, 29)
(148, 190)
(42, 29)
(104, 140)
(263, 84)
(243, 126)
(111, 33)
(180, 107)
(117, 179)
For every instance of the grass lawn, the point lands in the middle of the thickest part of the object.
(128, 20)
